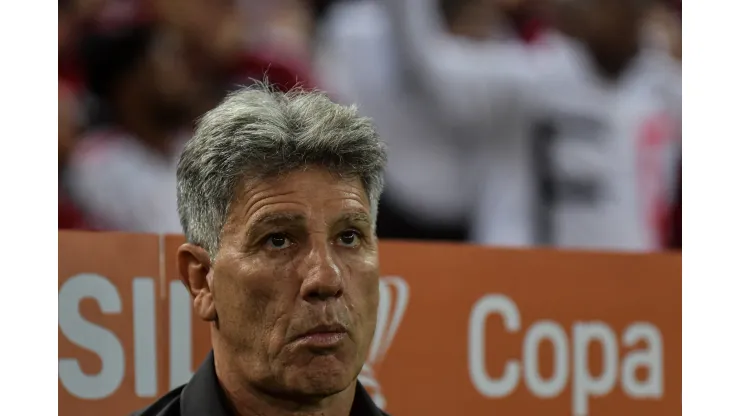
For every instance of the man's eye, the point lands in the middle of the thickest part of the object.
(349, 238)
(278, 241)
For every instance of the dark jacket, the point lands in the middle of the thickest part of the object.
(203, 396)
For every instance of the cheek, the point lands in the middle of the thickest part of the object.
(238, 306)
(366, 312)
(371, 291)
(253, 304)
(364, 295)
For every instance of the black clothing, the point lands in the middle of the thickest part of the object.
(203, 396)
(396, 223)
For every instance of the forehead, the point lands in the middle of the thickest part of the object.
(312, 192)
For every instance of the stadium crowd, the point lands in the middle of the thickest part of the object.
(509, 122)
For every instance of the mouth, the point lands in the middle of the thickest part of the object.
(322, 336)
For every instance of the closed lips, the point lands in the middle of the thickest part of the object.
(324, 329)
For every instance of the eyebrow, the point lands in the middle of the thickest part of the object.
(355, 217)
(278, 219)
(274, 219)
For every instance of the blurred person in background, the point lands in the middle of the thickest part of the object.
(69, 124)
(66, 27)
(223, 48)
(66, 36)
(122, 174)
(74, 17)
(527, 18)
(69, 112)
(284, 27)
(584, 126)
(70, 216)
(430, 178)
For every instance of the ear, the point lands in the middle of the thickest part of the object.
(194, 266)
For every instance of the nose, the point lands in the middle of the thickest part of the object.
(323, 278)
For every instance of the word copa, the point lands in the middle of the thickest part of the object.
(584, 383)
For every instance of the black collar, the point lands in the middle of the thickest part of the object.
(203, 395)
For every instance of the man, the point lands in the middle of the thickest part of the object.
(278, 196)
(583, 126)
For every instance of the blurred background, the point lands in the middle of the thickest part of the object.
(509, 122)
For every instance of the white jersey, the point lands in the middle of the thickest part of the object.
(121, 185)
(429, 165)
(576, 161)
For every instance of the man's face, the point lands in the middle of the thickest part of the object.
(295, 283)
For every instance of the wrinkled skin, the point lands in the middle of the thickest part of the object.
(297, 251)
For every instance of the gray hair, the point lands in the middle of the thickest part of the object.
(257, 133)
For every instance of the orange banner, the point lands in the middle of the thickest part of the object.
(462, 330)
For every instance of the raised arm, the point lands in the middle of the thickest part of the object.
(468, 81)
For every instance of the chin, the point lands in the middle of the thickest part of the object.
(322, 376)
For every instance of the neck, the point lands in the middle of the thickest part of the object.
(246, 399)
